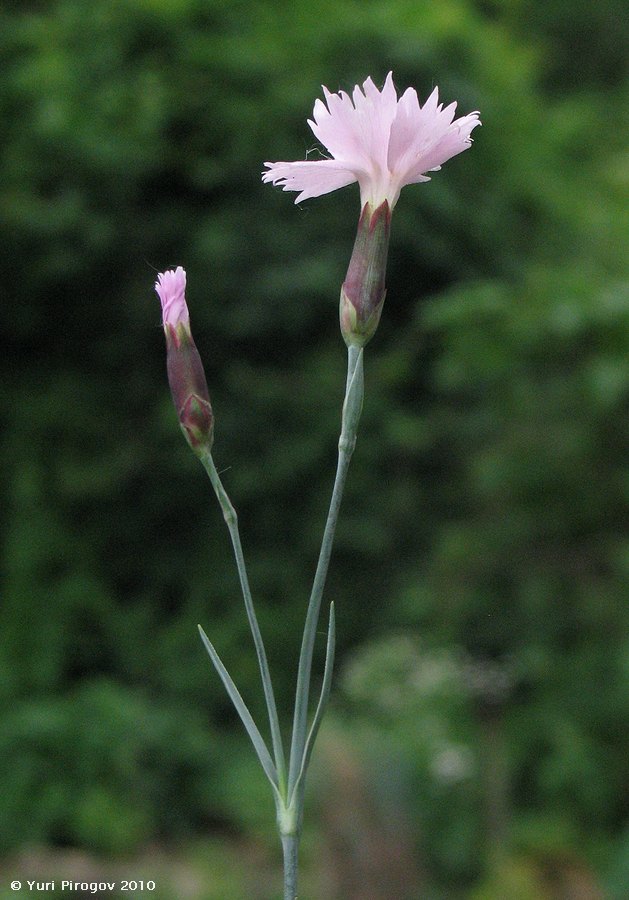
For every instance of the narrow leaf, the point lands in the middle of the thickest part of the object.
(241, 708)
(323, 701)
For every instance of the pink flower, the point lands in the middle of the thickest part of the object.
(171, 289)
(377, 140)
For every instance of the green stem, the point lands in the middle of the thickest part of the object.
(351, 414)
(231, 518)
(290, 847)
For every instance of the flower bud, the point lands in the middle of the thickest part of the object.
(183, 364)
(363, 291)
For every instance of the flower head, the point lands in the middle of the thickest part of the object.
(378, 140)
(171, 290)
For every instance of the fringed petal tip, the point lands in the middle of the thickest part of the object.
(171, 290)
(312, 178)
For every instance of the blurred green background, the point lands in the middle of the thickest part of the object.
(477, 744)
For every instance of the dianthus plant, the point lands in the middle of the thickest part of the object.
(384, 143)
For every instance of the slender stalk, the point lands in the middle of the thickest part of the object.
(290, 847)
(351, 414)
(231, 518)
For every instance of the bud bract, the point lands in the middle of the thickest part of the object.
(188, 387)
(363, 291)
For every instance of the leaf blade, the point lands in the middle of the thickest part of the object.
(241, 708)
(324, 696)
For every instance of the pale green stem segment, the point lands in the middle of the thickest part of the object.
(290, 812)
(352, 408)
(290, 848)
(231, 518)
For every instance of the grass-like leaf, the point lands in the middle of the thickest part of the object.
(241, 708)
(323, 701)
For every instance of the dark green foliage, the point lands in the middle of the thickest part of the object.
(487, 503)
(99, 767)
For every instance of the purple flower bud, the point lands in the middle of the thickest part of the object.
(183, 363)
(363, 291)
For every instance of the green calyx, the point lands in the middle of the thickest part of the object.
(363, 291)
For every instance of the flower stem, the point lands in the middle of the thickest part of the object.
(351, 414)
(290, 847)
(231, 518)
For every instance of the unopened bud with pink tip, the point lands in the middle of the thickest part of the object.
(185, 369)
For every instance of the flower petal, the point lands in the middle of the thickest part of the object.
(374, 115)
(423, 138)
(335, 127)
(312, 177)
(455, 140)
(171, 290)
